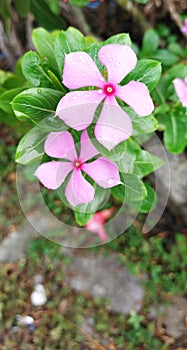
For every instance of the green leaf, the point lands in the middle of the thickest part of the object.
(165, 57)
(68, 41)
(147, 72)
(31, 145)
(22, 7)
(6, 99)
(149, 201)
(126, 164)
(177, 50)
(150, 42)
(122, 39)
(5, 8)
(33, 70)
(146, 163)
(44, 43)
(35, 104)
(56, 83)
(44, 16)
(134, 188)
(141, 125)
(79, 3)
(4, 76)
(118, 192)
(115, 154)
(175, 131)
(84, 212)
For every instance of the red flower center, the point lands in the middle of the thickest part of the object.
(77, 164)
(109, 89)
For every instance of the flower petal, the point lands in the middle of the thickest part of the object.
(181, 90)
(113, 126)
(60, 145)
(53, 174)
(136, 95)
(78, 190)
(77, 108)
(88, 150)
(96, 226)
(119, 60)
(81, 71)
(103, 171)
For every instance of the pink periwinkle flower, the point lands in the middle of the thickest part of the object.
(78, 190)
(80, 71)
(96, 223)
(181, 90)
(184, 27)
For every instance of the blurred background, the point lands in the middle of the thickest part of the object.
(130, 293)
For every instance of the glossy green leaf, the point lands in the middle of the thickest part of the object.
(146, 163)
(166, 57)
(35, 104)
(66, 42)
(150, 42)
(122, 39)
(44, 43)
(34, 71)
(115, 154)
(84, 212)
(6, 99)
(31, 145)
(126, 163)
(141, 125)
(45, 17)
(175, 131)
(149, 201)
(134, 188)
(118, 192)
(147, 72)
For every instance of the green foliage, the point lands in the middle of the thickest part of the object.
(37, 104)
(11, 84)
(171, 116)
(45, 12)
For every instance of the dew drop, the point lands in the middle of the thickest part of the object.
(102, 79)
(110, 181)
(117, 64)
(110, 59)
(100, 92)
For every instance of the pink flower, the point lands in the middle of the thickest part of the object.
(181, 90)
(184, 28)
(78, 190)
(77, 108)
(96, 224)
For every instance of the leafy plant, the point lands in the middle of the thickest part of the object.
(37, 104)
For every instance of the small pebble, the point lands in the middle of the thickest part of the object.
(38, 297)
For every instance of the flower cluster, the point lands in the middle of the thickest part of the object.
(77, 109)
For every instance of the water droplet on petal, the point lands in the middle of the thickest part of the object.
(110, 59)
(100, 92)
(117, 64)
(110, 181)
(102, 79)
